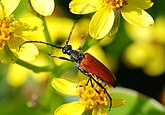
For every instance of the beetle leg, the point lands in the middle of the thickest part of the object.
(93, 86)
(110, 98)
(91, 77)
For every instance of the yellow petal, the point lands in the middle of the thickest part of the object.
(9, 6)
(118, 102)
(28, 26)
(17, 75)
(142, 34)
(156, 67)
(43, 7)
(64, 86)
(116, 24)
(28, 52)
(1, 7)
(73, 108)
(101, 23)
(2, 14)
(136, 54)
(99, 112)
(137, 16)
(85, 6)
(144, 4)
(159, 29)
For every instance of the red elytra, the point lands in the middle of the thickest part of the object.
(92, 65)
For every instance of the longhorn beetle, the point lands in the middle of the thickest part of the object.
(86, 63)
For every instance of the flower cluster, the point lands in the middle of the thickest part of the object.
(147, 49)
(90, 97)
(106, 18)
(12, 33)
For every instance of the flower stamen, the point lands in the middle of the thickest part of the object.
(115, 4)
(6, 30)
(93, 95)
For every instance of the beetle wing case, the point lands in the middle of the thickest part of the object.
(92, 65)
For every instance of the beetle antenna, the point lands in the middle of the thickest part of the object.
(74, 24)
(59, 47)
(75, 21)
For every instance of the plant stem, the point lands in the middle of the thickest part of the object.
(48, 40)
(34, 68)
(90, 42)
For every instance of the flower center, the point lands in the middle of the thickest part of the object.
(6, 30)
(115, 4)
(94, 96)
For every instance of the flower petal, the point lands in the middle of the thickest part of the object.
(2, 14)
(136, 54)
(43, 7)
(64, 86)
(73, 108)
(116, 24)
(143, 35)
(99, 112)
(101, 23)
(144, 4)
(9, 6)
(156, 67)
(28, 52)
(16, 78)
(136, 16)
(118, 102)
(85, 6)
(159, 29)
(28, 26)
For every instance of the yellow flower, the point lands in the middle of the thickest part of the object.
(7, 7)
(147, 50)
(12, 31)
(88, 97)
(43, 7)
(106, 19)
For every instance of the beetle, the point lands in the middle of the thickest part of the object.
(86, 63)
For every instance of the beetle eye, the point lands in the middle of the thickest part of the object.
(67, 49)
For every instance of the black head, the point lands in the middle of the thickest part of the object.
(67, 49)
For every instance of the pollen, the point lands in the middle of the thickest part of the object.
(92, 96)
(6, 30)
(115, 4)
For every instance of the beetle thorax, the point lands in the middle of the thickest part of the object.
(76, 56)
